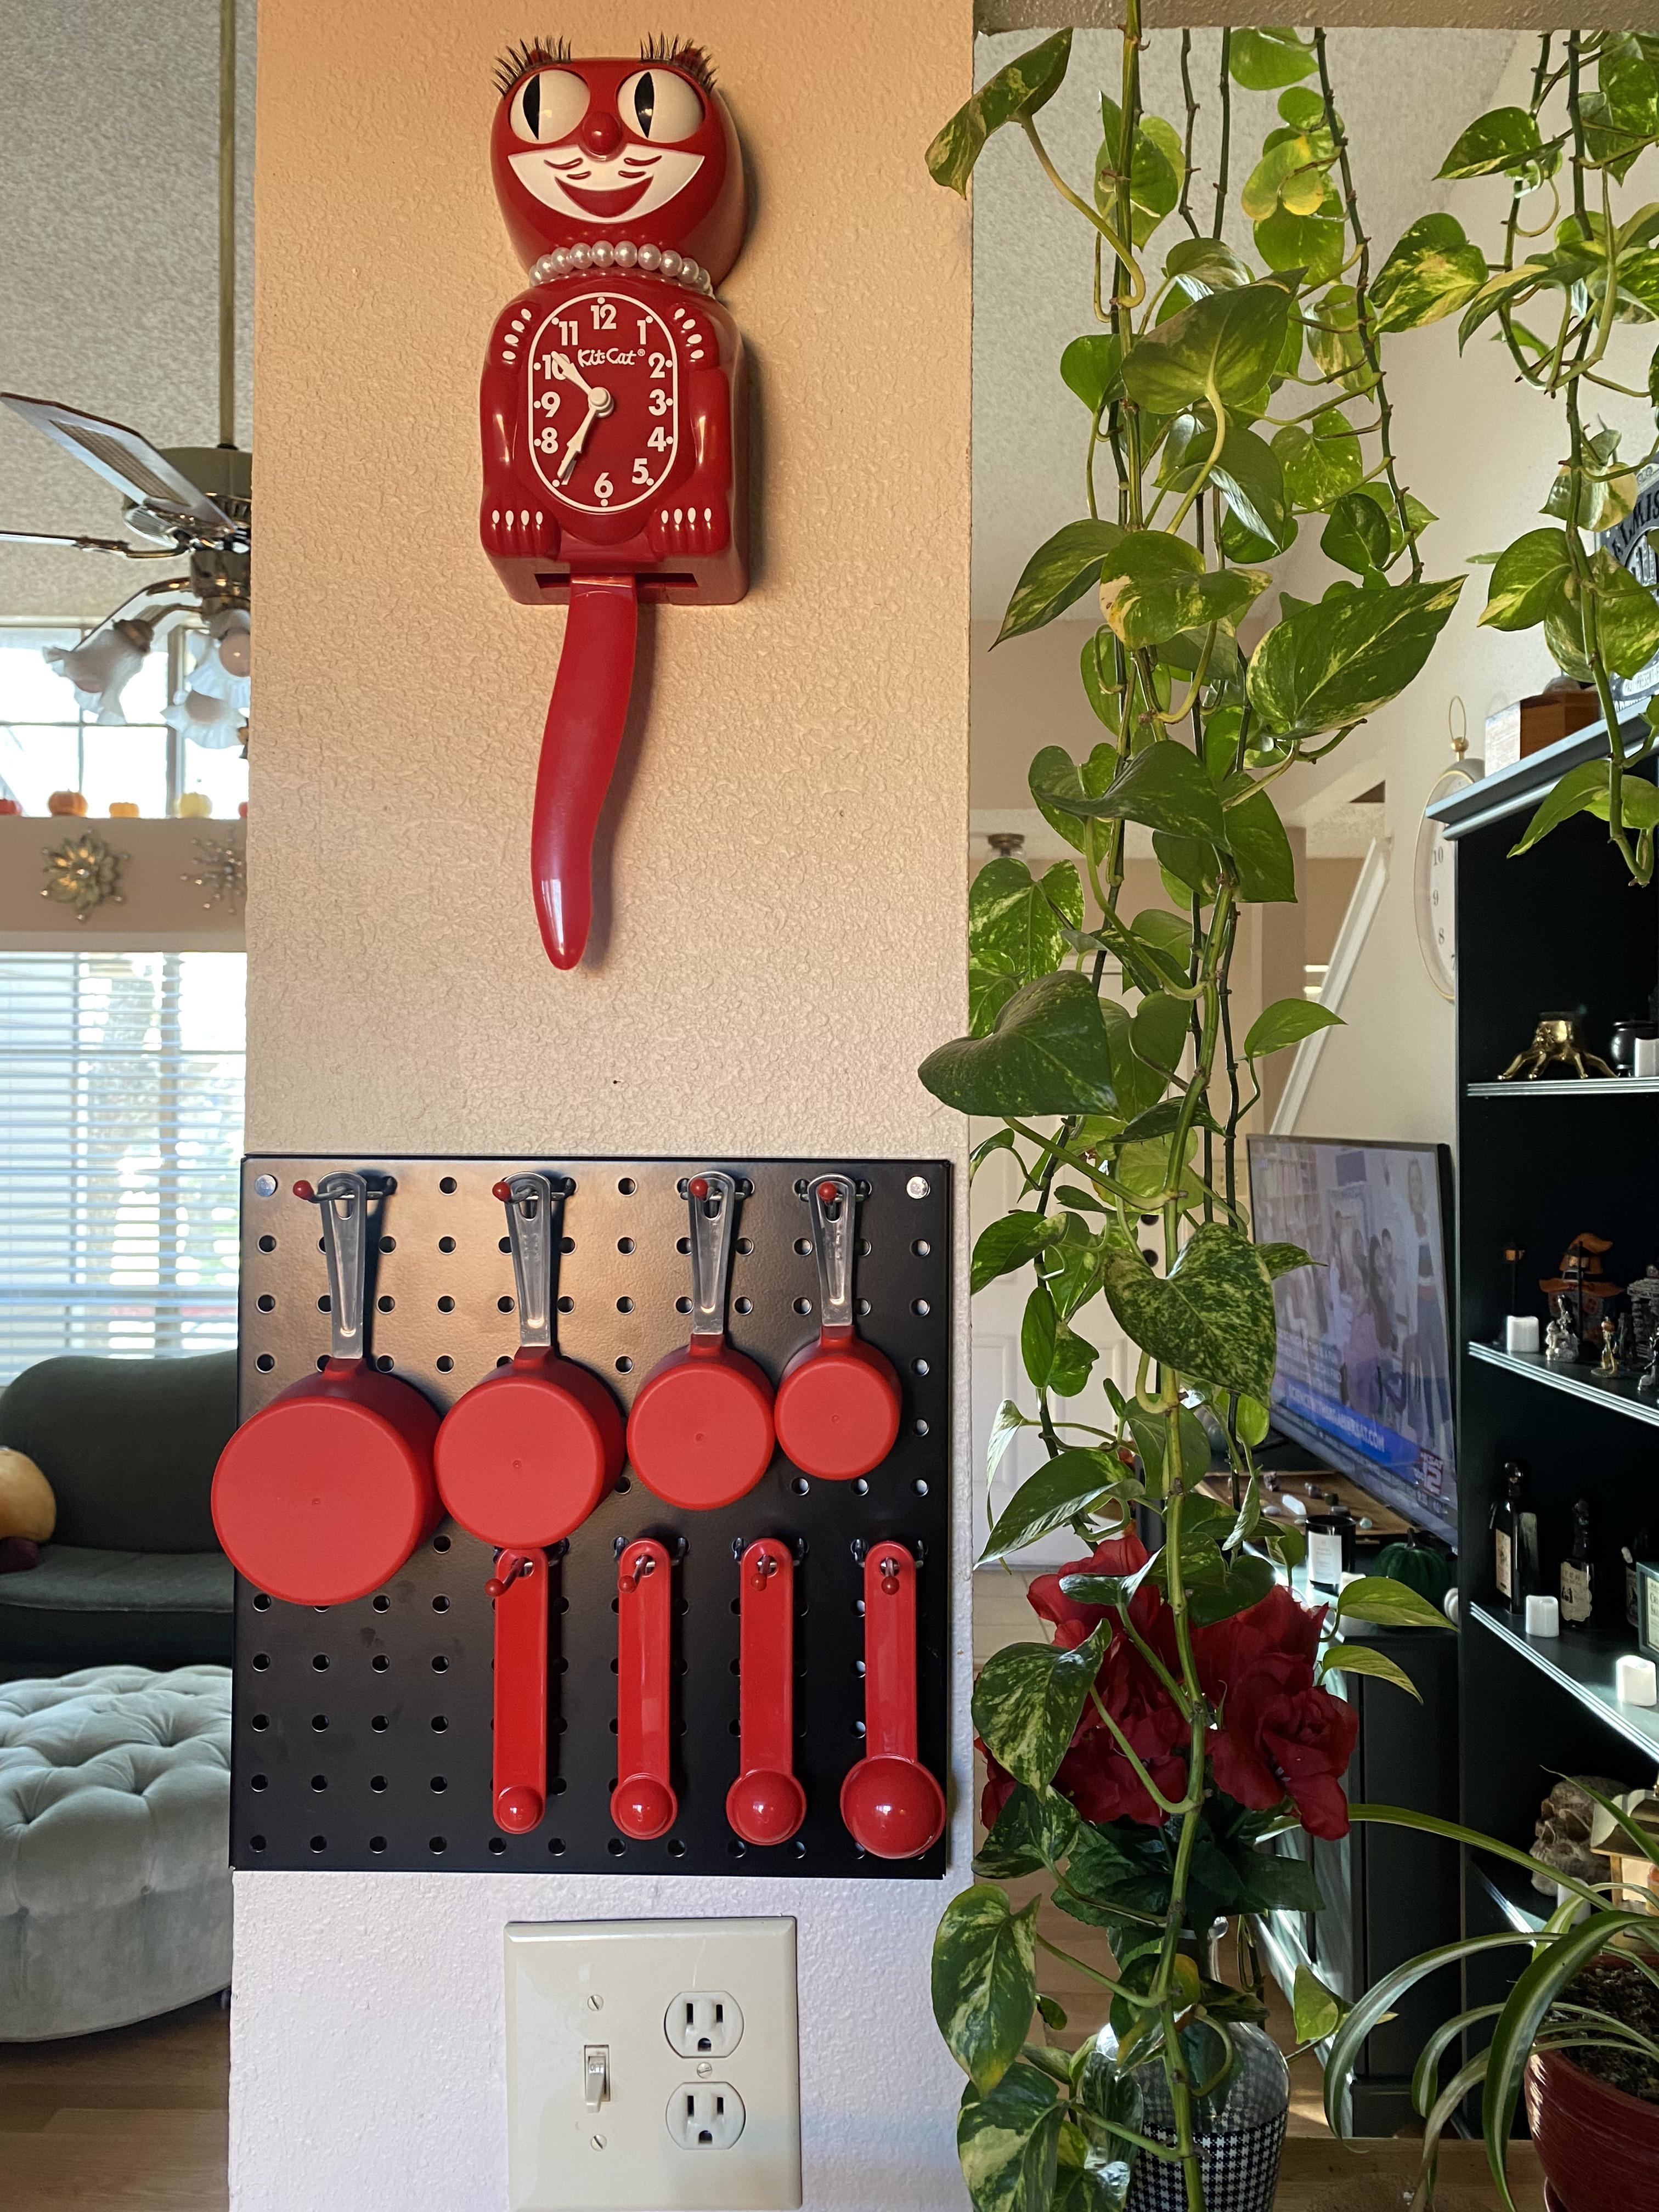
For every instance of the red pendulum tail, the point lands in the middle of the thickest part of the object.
(585, 718)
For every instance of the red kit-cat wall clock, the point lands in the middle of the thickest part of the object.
(612, 401)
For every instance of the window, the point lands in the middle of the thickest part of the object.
(120, 1139)
(48, 743)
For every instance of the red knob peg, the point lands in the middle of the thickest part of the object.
(698, 1185)
(502, 1190)
(304, 1190)
(828, 1193)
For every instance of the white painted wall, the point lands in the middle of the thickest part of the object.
(785, 894)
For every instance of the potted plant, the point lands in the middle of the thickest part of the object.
(1144, 1761)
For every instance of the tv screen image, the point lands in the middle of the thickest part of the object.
(1363, 1375)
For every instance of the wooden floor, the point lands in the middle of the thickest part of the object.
(134, 2121)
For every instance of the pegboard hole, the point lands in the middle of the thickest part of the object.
(498, 1844)
(380, 1725)
(804, 1246)
(440, 1665)
(734, 1728)
(557, 1786)
(745, 1246)
(921, 1367)
(259, 1782)
(567, 1244)
(627, 1186)
(737, 1666)
(566, 1305)
(800, 1485)
(439, 1723)
(256, 1843)
(446, 1184)
(623, 1483)
(444, 1363)
(377, 1782)
(864, 1247)
(556, 1847)
(262, 1720)
(857, 1728)
(446, 1244)
(446, 1305)
(860, 1488)
(441, 1604)
(319, 1661)
(503, 1305)
(922, 1428)
(682, 1244)
(386, 1304)
(857, 1668)
(267, 1243)
(440, 1783)
(264, 1362)
(440, 1543)
(744, 1305)
(863, 1308)
(920, 1306)
(380, 1662)
(388, 1243)
(800, 1848)
(675, 1847)
(803, 1305)
(322, 1360)
(624, 1305)
(319, 1722)
(921, 1248)
(267, 1303)
(624, 1365)
(858, 1607)
(261, 1661)
(736, 1849)
(325, 1304)
(319, 1781)
(613, 1731)
(261, 1603)
(616, 1847)
(504, 1244)
(506, 1360)
(377, 1843)
(737, 1605)
(681, 1305)
(437, 1845)
(382, 1602)
(920, 1487)
(383, 1363)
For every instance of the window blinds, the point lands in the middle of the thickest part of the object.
(120, 1136)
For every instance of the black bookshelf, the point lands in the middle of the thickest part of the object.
(1559, 928)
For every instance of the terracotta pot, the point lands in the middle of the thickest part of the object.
(1598, 2146)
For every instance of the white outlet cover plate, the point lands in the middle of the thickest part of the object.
(555, 1970)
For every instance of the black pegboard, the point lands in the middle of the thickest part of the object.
(362, 1731)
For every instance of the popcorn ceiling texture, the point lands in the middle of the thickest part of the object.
(781, 922)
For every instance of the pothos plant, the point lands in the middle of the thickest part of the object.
(1179, 1718)
(1571, 267)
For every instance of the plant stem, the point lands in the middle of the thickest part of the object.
(1226, 98)
(1184, 209)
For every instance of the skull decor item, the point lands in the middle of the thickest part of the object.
(612, 400)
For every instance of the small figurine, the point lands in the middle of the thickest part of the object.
(1648, 1380)
(1561, 1343)
(1645, 1311)
(1556, 1049)
(1608, 1362)
(1582, 1282)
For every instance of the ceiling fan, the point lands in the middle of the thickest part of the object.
(193, 501)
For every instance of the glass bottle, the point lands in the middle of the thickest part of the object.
(1578, 1572)
(1515, 1542)
(1638, 1548)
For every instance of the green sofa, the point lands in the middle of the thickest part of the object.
(134, 1573)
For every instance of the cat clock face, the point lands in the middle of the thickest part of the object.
(643, 150)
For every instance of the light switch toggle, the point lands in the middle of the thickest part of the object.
(596, 2075)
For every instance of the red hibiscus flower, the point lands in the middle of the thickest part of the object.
(1279, 1733)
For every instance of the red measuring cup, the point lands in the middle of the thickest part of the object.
(766, 1804)
(643, 1803)
(323, 1494)
(522, 1459)
(699, 1434)
(838, 1404)
(890, 1803)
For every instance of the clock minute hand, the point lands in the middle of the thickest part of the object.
(578, 438)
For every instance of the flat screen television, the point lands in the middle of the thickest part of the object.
(1365, 1368)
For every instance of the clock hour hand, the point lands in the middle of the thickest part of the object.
(561, 366)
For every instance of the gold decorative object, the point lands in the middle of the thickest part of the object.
(83, 872)
(1556, 1049)
(222, 872)
(1608, 1362)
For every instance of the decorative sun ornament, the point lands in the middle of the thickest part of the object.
(83, 872)
(222, 872)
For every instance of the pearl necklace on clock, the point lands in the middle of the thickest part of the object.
(650, 260)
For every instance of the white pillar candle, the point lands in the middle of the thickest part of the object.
(1520, 1333)
(1635, 1680)
(1543, 1617)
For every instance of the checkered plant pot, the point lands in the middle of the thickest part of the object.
(1240, 2171)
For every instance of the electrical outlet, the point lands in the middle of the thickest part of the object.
(706, 2116)
(704, 2024)
(612, 2103)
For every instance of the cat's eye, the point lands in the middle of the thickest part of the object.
(548, 106)
(660, 105)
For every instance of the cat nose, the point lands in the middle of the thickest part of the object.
(601, 133)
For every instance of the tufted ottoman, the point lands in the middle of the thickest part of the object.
(114, 1847)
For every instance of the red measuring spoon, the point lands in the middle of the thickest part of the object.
(643, 1803)
(890, 1803)
(522, 1459)
(699, 1434)
(323, 1494)
(766, 1804)
(839, 1401)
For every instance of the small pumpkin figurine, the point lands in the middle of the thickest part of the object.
(121, 810)
(67, 802)
(1421, 1566)
(11, 806)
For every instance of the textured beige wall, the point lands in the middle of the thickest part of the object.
(785, 880)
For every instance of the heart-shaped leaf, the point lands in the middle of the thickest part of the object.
(1316, 244)
(1090, 367)
(1287, 1021)
(1014, 932)
(1279, 1260)
(1357, 535)
(1047, 1054)
(1166, 787)
(1266, 866)
(1055, 777)
(1331, 665)
(1347, 1657)
(1008, 2143)
(1434, 271)
(1224, 348)
(1506, 138)
(1021, 88)
(1013, 1240)
(1027, 1701)
(1320, 460)
(1061, 1490)
(1058, 572)
(1530, 579)
(984, 1980)
(1211, 1318)
(1262, 60)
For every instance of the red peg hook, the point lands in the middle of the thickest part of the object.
(766, 1804)
(643, 1803)
(890, 1803)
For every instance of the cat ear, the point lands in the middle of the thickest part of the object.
(517, 63)
(680, 54)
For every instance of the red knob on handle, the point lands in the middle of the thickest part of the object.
(519, 1783)
(766, 1804)
(643, 1803)
(892, 1806)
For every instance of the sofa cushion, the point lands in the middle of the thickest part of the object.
(128, 1446)
(114, 1847)
(80, 1606)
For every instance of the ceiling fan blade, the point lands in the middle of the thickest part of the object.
(123, 458)
(88, 544)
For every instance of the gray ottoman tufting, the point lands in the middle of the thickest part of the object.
(114, 1847)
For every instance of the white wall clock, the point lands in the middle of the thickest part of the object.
(1437, 914)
